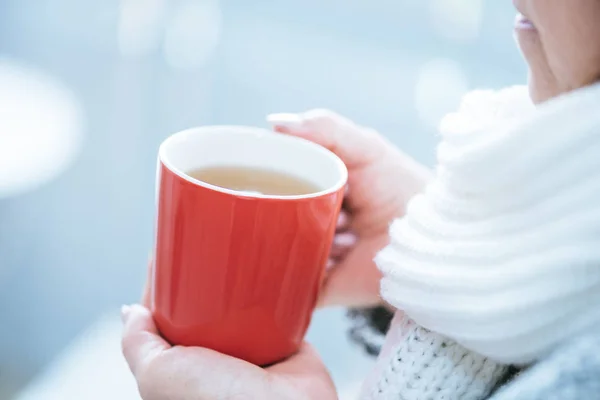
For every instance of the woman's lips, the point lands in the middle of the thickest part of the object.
(522, 22)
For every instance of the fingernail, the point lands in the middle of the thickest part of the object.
(343, 220)
(345, 240)
(286, 119)
(125, 311)
(330, 264)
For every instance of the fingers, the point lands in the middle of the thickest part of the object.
(342, 243)
(344, 238)
(141, 343)
(343, 222)
(183, 373)
(355, 145)
(355, 280)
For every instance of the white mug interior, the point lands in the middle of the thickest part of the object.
(239, 146)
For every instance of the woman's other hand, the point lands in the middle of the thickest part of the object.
(381, 181)
(194, 373)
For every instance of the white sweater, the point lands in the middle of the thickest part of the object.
(501, 254)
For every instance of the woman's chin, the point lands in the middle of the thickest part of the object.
(540, 75)
(541, 88)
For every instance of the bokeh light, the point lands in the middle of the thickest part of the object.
(40, 128)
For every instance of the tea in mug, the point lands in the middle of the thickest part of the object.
(254, 180)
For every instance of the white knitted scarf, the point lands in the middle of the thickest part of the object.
(501, 253)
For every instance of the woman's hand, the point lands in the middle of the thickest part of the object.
(381, 181)
(193, 373)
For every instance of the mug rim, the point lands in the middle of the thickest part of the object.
(258, 132)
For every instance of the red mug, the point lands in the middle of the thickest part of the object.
(235, 272)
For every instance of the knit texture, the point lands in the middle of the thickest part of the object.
(501, 253)
(570, 373)
(426, 366)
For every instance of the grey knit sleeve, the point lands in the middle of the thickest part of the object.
(572, 372)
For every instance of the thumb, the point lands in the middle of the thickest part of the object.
(141, 342)
(354, 144)
(307, 360)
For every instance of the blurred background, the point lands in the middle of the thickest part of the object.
(88, 90)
